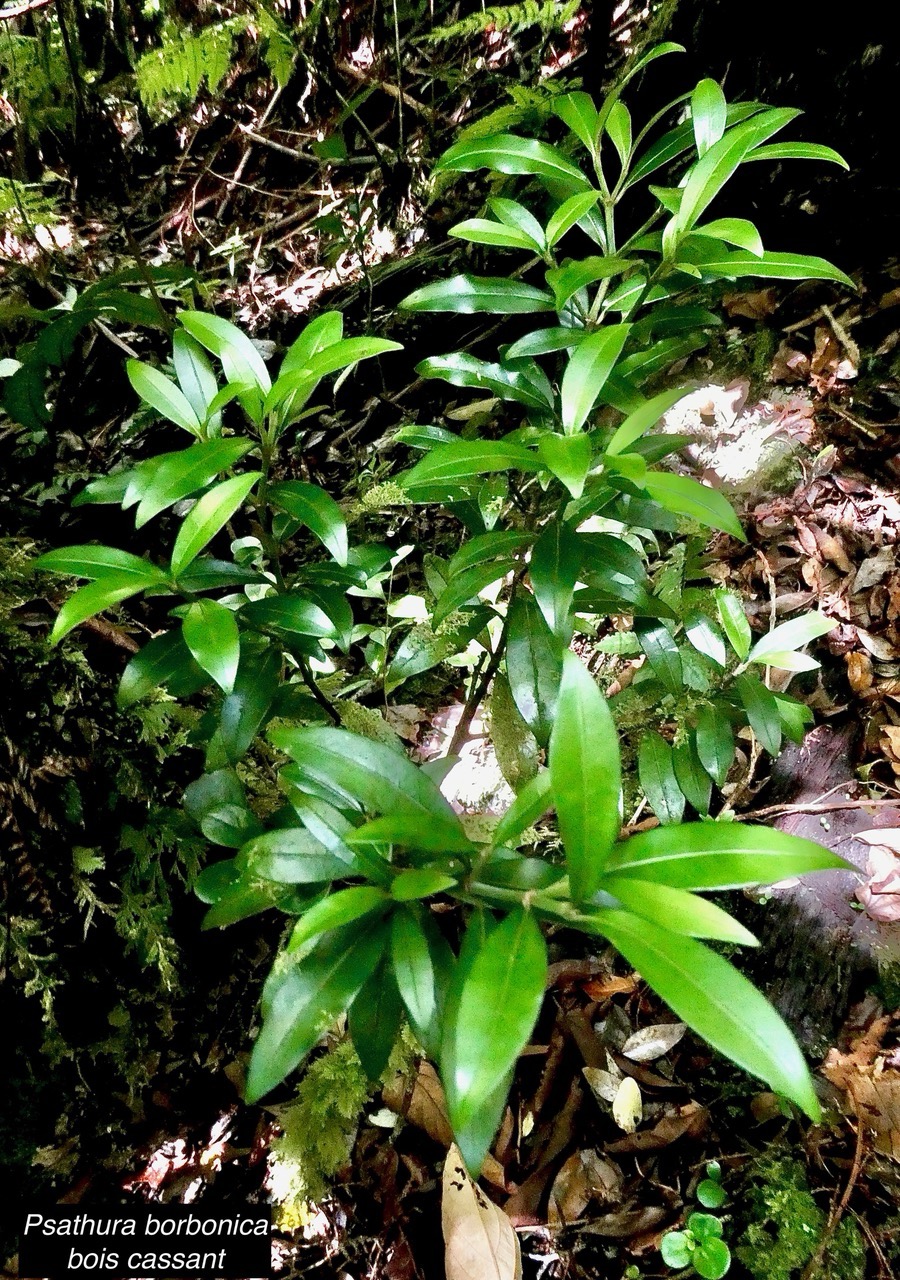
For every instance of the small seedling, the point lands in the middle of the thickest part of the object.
(710, 1192)
(699, 1246)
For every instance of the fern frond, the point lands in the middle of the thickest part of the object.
(549, 15)
(175, 71)
(25, 205)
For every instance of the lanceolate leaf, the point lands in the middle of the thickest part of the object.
(163, 395)
(195, 374)
(498, 1007)
(734, 622)
(464, 587)
(487, 231)
(531, 803)
(708, 114)
(797, 151)
(372, 774)
(240, 358)
(467, 460)
(309, 995)
(577, 110)
(586, 776)
(533, 666)
(374, 1019)
(316, 509)
(718, 855)
(506, 153)
(463, 370)
(555, 565)
(791, 635)
(211, 633)
(164, 660)
(709, 994)
(687, 497)
(657, 777)
(324, 331)
(167, 479)
(205, 520)
(677, 910)
(569, 213)
(94, 598)
(590, 365)
(97, 562)
(465, 294)
(568, 457)
(762, 711)
(662, 654)
(642, 420)
(715, 743)
(774, 266)
(341, 908)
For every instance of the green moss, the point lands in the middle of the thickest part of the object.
(785, 1221)
(786, 1225)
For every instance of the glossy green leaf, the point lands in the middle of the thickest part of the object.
(718, 855)
(705, 636)
(245, 709)
(797, 151)
(791, 635)
(372, 774)
(420, 882)
(498, 1007)
(708, 114)
(569, 213)
(195, 373)
(677, 910)
(96, 562)
(774, 266)
(418, 980)
(170, 477)
(164, 660)
(586, 776)
(568, 457)
(486, 546)
(90, 600)
(618, 127)
(307, 997)
(163, 395)
(656, 774)
(517, 384)
(468, 460)
(553, 571)
(533, 665)
(486, 231)
(315, 509)
(734, 622)
(463, 588)
(571, 278)
(796, 717)
(466, 294)
(736, 231)
(291, 855)
(232, 825)
(295, 612)
(693, 779)
(211, 634)
(687, 497)
(662, 654)
(240, 359)
(543, 341)
(506, 153)
(715, 743)
(338, 909)
(716, 1001)
(577, 110)
(211, 512)
(589, 366)
(346, 352)
(762, 711)
(375, 1018)
(530, 804)
(516, 216)
(324, 331)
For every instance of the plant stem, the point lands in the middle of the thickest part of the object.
(309, 681)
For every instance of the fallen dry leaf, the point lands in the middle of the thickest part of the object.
(585, 1177)
(651, 1043)
(690, 1121)
(859, 671)
(880, 894)
(871, 1086)
(479, 1240)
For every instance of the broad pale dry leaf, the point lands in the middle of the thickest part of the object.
(604, 1084)
(878, 646)
(651, 1043)
(875, 568)
(628, 1106)
(889, 837)
(479, 1240)
(880, 894)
